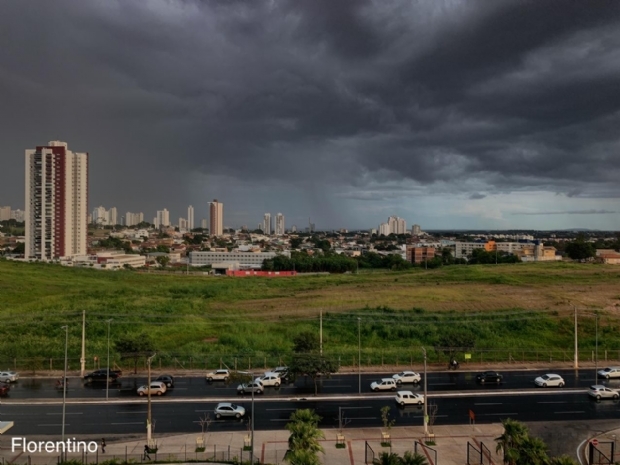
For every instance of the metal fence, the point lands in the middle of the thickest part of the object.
(369, 358)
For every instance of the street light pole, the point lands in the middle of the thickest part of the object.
(596, 349)
(576, 362)
(107, 386)
(83, 357)
(252, 421)
(359, 357)
(148, 392)
(425, 398)
(64, 383)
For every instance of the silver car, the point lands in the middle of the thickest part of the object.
(256, 386)
(609, 372)
(599, 392)
(226, 409)
(218, 375)
(8, 376)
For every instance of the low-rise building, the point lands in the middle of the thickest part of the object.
(244, 259)
(415, 254)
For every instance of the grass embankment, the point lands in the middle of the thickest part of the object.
(207, 317)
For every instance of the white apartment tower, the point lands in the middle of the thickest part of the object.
(190, 218)
(132, 219)
(56, 202)
(216, 217)
(416, 230)
(162, 219)
(267, 224)
(397, 225)
(5, 213)
(279, 225)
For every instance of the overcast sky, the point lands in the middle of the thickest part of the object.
(451, 114)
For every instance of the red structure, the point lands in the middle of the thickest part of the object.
(268, 274)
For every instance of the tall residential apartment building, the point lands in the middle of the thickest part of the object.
(18, 215)
(190, 218)
(56, 197)
(216, 218)
(5, 213)
(397, 225)
(133, 219)
(279, 230)
(416, 230)
(162, 220)
(104, 217)
(203, 223)
(267, 224)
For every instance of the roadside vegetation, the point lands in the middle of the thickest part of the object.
(494, 312)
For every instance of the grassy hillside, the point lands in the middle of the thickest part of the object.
(507, 307)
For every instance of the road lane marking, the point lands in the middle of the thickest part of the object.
(130, 423)
(53, 424)
(554, 402)
(494, 414)
(68, 413)
(488, 403)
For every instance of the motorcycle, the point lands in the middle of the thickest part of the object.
(454, 365)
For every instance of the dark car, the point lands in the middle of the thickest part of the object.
(489, 377)
(168, 380)
(4, 389)
(102, 376)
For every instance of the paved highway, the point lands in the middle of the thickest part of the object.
(182, 415)
(185, 387)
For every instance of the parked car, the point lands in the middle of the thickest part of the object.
(609, 372)
(281, 371)
(489, 377)
(408, 398)
(218, 375)
(168, 380)
(599, 392)
(4, 389)
(226, 409)
(270, 379)
(256, 386)
(157, 388)
(386, 384)
(549, 380)
(407, 377)
(102, 376)
(8, 376)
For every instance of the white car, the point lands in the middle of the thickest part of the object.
(407, 377)
(549, 380)
(386, 384)
(218, 375)
(256, 387)
(408, 398)
(157, 388)
(609, 372)
(601, 392)
(8, 376)
(270, 379)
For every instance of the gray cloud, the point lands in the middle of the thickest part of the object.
(570, 212)
(337, 101)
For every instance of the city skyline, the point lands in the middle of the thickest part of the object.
(455, 115)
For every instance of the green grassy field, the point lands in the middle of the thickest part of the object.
(523, 310)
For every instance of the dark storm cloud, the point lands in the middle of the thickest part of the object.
(460, 97)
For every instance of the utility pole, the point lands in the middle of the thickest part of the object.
(252, 420)
(109, 379)
(576, 357)
(148, 391)
(83, 357)
(596, 350)
(359, 356)
(425, 398)
(321, 331)
(64, 385)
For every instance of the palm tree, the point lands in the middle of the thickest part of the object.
(387, 458)
(563, 460)
(413, 459)
(304, 441)
(302, 457)
(511, 441)
(533, 452)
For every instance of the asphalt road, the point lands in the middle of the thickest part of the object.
(186, 387)
(183, 415)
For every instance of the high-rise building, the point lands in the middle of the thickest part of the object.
(203, 223)
(416, 230)
(132, 219)
(384, 229)
(56, 202)
(279, 230)
(182, 224)
(216, 218)
(294, 228)
(397, 225)
(5, 213)
(162, 220)
(190, 218)
(267, 224)
(18, 215)
(113, 216)
(103, 217)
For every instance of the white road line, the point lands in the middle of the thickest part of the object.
(493, 414)
(131, 423)
(53, 424)
(141, 413)
(572, 411)
(68, 413)
(554, 402)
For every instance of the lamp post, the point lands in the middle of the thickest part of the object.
(107, 385)
(64, 383)
(425, 397)
(252, 422)
(359, 357)
(148, 414)
(596, 349)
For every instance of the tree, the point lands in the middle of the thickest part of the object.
(533, 452)
(512, 440)
(304, 441)
(455, 339)
(313, 365)
(20, 248)
(163, 260)
(306, 341)
(134, 346)
(387, 458)
(579, 249)
(411, 458)
(562, 460)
